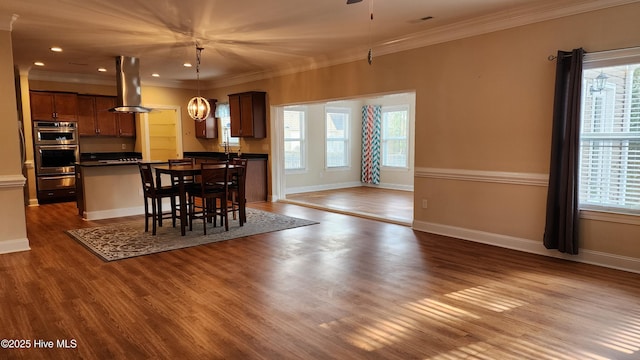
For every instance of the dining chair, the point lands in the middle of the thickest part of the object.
(237, 195)
(212, 193)
(155, 194)
(187, 180)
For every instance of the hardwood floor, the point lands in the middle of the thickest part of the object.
(395, 206)
(346, 288)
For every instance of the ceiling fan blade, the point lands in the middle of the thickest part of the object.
(353, 1)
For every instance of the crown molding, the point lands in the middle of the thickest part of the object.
(502, 20)
(525, 15)
(40, 75)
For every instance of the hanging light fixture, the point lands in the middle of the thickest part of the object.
(198, 107)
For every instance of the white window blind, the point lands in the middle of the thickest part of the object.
(223, 113)
(610, 136)
(337, 137)
(395, 134)
(294, 140)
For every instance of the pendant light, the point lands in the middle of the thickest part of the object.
(198, 107)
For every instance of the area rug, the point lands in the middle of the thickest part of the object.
(126, 240)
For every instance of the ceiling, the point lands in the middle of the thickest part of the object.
(240, 38)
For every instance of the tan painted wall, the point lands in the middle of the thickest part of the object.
(482, 103)
(13, 229)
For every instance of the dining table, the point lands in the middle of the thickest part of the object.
(180, 172)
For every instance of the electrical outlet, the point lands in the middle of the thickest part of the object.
(424, 203)
(124, 146)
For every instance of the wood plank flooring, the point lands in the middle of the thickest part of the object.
(395, 206)
(346, 288)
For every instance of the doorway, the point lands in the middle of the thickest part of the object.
(161, 134)
(333, 188)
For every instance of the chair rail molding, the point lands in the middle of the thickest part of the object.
(12, 181)
(498, 177)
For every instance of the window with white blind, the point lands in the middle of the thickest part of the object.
(294, 139)
(224, 114)
(395, 134)
(610, 136)
(337, 137)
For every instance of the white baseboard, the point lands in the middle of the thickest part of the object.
(113, 213)
(390, 186)
(15, 245)
(613, 261)
(304, 189)
(322, 187)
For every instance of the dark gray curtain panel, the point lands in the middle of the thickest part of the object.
(561, 229)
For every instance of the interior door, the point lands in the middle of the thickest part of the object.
(163, 135)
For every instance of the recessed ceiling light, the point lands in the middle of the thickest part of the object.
(155, 75)
(101, 69)
(38, 63)
(56, 49)
(187, 64)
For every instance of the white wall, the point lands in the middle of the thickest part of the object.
(317, 177)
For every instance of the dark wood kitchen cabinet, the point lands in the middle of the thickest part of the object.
(248, 114)
(58, 106)
(208, 128)
(95, 119)
(126, 125)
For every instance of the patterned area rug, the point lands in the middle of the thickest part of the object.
(125, 240)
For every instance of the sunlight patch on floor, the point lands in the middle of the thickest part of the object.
(377, 331)
(487, 298)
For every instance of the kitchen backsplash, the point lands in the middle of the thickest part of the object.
(101, 145)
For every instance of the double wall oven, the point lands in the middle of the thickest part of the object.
(56, 152)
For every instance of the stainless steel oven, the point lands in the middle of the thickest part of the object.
(56, 152)
(56, 159)
(55, 133)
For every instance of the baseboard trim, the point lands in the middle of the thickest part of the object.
(613, 261)
(390, 186)
(322, 187)
(114, 213)
(15, 245)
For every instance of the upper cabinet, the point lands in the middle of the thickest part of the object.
(208, 129)
(248, 114)
(54, 106)
(95, 119)
(126, 125)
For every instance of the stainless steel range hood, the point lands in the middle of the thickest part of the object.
(128, 83)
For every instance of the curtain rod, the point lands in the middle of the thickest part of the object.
(553, 57)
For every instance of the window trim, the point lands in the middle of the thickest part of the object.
(394, 108)
(599, 60)
(346, 140)
(303, 140)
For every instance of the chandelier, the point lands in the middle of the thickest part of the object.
(198, 107)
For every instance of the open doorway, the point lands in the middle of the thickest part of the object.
(161, 134)
(317, 150)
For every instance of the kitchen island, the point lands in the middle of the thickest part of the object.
(108, 189)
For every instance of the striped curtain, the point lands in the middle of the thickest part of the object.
(371, 123)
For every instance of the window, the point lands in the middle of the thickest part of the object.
(395, 132)
(337, 136)
(223, 113)
(294, 141)
(610, 138)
